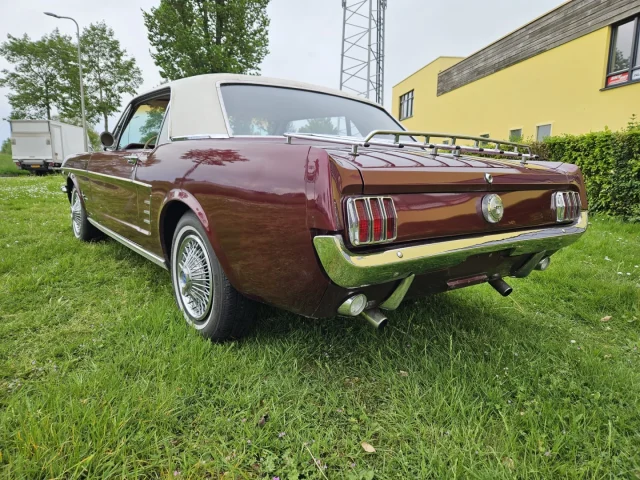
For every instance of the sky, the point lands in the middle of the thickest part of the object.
(304, 35)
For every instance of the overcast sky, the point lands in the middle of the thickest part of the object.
(304, 36)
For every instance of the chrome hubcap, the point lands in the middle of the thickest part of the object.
(76, 212)
(194, 278)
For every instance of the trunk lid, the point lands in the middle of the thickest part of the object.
(394, 170)
(438, 196)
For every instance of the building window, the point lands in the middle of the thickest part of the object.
(624, 53)
(543, 131)
(406, 105)
(515, 135)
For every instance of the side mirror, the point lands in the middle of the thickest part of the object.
(107, 139)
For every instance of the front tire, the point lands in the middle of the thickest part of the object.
(202, 290)
(80, 226)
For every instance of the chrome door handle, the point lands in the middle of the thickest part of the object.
(132, 159)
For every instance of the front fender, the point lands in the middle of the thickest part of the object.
(72, 182)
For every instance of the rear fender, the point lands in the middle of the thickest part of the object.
(575, 178)
(327, 180)
(186, 198)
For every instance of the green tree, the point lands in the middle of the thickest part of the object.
(94, 139)
(39, 81)
(319, 125)
(192, 37)
(151, 127)
(108, 72)
(6, 146)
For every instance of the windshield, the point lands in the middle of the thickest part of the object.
(263, 110)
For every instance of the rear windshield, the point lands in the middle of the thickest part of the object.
(263, 110)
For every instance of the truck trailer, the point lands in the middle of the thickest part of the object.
(42, 145)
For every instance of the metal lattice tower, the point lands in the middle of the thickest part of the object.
(362, 59)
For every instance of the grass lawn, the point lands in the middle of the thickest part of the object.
(8, 168)
(100, 377)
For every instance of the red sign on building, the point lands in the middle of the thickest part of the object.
(616, 79)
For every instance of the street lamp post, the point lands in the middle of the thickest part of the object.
(84, 119)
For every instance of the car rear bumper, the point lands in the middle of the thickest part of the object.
(352, 270)
(36, 164)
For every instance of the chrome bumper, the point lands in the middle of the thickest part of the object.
(350, 270)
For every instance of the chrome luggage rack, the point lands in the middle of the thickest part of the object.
(456, 150)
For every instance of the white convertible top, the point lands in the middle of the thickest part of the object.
(196, 108)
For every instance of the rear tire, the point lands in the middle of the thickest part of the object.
(203, 292)
(80, 226)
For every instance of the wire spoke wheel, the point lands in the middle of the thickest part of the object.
(76, 213)
(204, 294)
(194, 277)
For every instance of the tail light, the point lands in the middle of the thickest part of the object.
(371, 220)
(567, 206)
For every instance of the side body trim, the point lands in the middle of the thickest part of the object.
(112, 177)
(353, 270)
(128, 243)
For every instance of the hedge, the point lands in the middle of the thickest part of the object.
(610, 164)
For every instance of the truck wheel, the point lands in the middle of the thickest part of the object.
(81, 227)
(208, 301)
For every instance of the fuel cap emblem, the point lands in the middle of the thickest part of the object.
(492, 208)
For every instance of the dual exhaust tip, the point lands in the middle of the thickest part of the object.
(500, 286)
(356, 306)
(504, 289)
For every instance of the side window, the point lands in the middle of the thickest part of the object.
(143, 125)
(121, 121)
(164, 133)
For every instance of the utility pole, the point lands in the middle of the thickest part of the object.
(362, 57)
(84, 119)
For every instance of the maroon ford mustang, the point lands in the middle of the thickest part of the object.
(318, 202)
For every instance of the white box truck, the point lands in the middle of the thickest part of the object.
(42, 145)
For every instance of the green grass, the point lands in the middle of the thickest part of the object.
(101, 378)
(8, 168)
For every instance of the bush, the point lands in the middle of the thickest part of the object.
(6, 147)
(610, 163)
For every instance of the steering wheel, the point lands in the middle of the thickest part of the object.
(155, 137)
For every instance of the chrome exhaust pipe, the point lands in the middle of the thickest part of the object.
(502, 287)
(544, 264)
(375, 317)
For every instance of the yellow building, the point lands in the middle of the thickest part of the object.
(574, 70)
